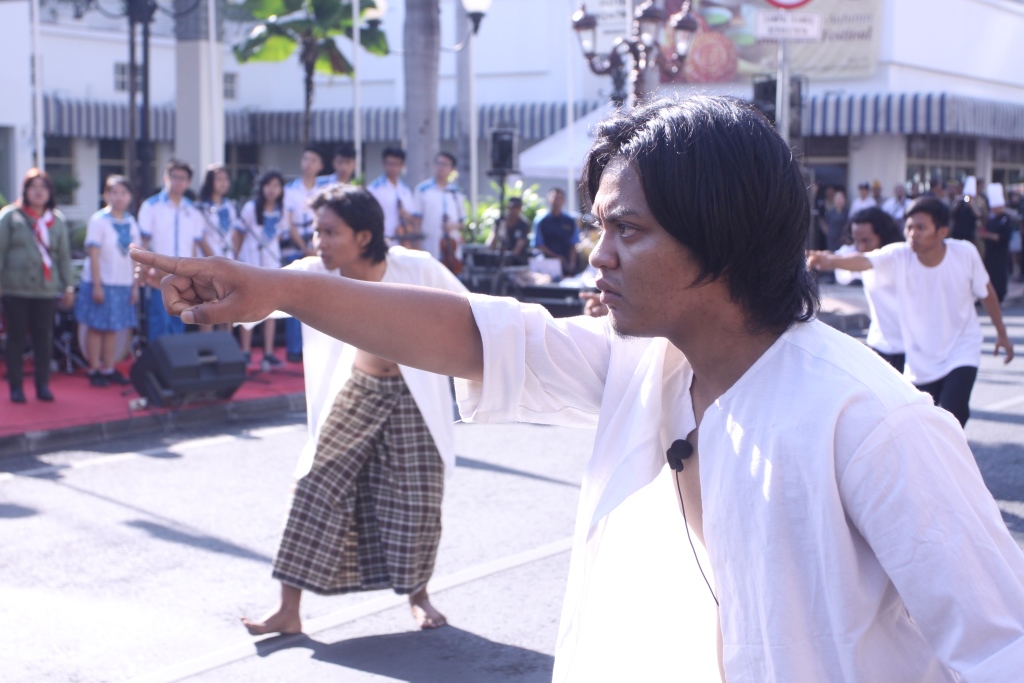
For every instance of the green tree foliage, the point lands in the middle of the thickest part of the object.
(309, 26)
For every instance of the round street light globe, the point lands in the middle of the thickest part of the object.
(476, 6)
(376, 13)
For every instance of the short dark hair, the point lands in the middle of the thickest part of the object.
(206, 191)
(881, 223)
(360, 211)
(31, 175)
(720, 180)
(346, 150)
(396, 152)
(178, 165)
(449, 157)
(557, 190)
(113, 181)
(515, 201)
(934, 208)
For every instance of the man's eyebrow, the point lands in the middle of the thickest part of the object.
(616, 214)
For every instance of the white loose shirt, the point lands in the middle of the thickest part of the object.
(858, 204)
(850, 536)
(433, 205)
(938, 322)
(172, 230)
(389, 196)
(884, 332)
(327, 362)
(116, 267)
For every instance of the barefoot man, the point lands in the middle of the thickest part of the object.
(830, 523)
(366, 511)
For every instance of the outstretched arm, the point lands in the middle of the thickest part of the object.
(991, 304)
(824, 260)
(419, 327)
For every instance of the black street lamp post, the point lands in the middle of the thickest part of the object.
(642, 47)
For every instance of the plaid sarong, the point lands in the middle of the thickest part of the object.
(368, 514)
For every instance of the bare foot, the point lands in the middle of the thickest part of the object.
(423, 612)
(275, 622)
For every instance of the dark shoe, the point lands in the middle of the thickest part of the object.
(294, 357)
(97, 379)
(17, 395)
(116, 377)
(43, 393)
(247, 355)
(272, 360)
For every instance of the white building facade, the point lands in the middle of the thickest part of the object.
(931, 89)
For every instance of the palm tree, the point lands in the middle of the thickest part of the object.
(311, 26)
(422, 54)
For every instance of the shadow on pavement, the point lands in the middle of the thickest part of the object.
(444, 655)
(1002, 468)
(203, 542)
(472, 464)
(12, 511)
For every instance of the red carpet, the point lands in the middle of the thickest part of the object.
(77, 403)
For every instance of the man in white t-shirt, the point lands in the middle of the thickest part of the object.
(395, 198)
(937, 281)
(834, 526)
(440, 208)
(170, 224)
(897, 205)
(863, 200)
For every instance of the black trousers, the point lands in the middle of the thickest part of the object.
(953, 392)
(897, 360)
(34, 316)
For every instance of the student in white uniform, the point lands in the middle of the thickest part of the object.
(170, 225)
(344, 165)
(440, 208)
(834, 525)
(395, 199)
(257, 241)
(936, 281)
(220, 217)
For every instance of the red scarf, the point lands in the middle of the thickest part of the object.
(41, 230)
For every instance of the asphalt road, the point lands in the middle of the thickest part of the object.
(134, 562)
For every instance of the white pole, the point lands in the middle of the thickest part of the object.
(474, 134)
(37, 91)
(782, 94)
(216, 155)
(357, 114)
(570, 97)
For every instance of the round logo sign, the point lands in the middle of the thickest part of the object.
(788, 4)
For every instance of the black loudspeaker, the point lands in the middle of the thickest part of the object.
(189, 368)
(504, 150)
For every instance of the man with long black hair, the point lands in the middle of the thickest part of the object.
(834, 525)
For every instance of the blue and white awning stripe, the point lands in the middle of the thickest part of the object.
(96, 120)
(237, 127)
(912, 114)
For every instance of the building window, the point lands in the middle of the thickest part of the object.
(243, 163)
(938, 158)
(121, 81)
(60, 164)
(230, 85)
(1007, 162)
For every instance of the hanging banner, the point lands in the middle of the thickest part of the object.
(726, 48)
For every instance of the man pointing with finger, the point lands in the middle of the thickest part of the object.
(830, 523)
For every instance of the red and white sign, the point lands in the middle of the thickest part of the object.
(788, 4)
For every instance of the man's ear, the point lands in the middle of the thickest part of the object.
(363, 238)
(943, 232)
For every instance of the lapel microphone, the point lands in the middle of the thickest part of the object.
(679, 451)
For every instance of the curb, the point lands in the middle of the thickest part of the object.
(30, 443)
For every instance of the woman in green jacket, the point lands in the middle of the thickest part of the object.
(35, 271)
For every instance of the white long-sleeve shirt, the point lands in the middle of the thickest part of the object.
(327, 362)
(849, 534)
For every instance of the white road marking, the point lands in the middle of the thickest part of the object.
(1002, 405)
(180, 447)
(242, 650)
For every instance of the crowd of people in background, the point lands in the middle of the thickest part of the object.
(271, 229)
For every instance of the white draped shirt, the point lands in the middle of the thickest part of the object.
(849, 534)
(327, 362)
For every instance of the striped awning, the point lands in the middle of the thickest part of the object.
(96, 120)
(901, 113)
